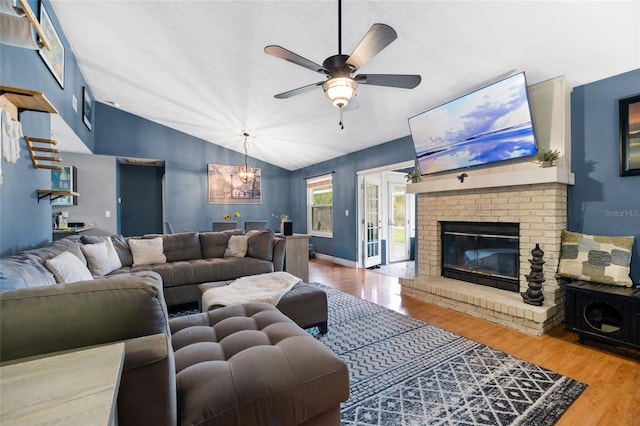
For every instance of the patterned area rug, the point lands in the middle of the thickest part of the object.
(406, 372)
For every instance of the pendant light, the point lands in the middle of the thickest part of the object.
(245, 172)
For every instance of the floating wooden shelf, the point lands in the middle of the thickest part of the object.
(17, 100)
(55, 193)
(36, 159)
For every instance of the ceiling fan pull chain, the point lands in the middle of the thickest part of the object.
(340, 123)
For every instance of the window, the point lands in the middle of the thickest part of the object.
(320, 206)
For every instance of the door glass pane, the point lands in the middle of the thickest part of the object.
(399, 220)
(372, 219)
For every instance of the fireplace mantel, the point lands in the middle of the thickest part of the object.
(475, 180)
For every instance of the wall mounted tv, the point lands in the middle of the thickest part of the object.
(485, 126)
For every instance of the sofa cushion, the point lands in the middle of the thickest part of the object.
(260, 244)
(596, 258)
(228, 268)
(70, 244)
(182, 246)
(147, 251)
(67, 268)
(24, 271)
(101, 257)
(214, 244)
(67, 316)
(237, 246)
(123, 249)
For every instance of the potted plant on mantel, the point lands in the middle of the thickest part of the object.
(414, 175)
(547, 157)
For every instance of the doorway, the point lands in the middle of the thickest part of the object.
(399, 225)
(386, 216)
(372, 221)
(140, 197)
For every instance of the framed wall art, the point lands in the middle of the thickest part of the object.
(226, 188)
(629, 110)
(54, 58)
(87, 101)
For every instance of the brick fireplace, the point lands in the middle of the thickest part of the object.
(541, 212)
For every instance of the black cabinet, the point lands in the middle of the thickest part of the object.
(604, 312)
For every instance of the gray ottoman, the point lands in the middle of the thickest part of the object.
(251, 365)
(305, 304)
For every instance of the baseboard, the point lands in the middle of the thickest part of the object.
(337, 260)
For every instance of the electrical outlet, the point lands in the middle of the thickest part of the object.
(107, 213)
(346, 212)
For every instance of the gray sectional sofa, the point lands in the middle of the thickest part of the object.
(239, 365)
(192, 258)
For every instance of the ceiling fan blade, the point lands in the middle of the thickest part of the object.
(287, 55)
(403, 81)
(377, 38)
(299, 90)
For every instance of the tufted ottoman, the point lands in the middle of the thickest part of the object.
(305, 304)
(251, 365)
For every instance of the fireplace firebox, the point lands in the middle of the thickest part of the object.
(483, 253)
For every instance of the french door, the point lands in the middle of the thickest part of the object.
(399, 232)
(372, 221)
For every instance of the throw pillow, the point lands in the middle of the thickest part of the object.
(237, 246)
(102, 257)
(67, 268)
(147, 251)
(214, 244)
(596, 258)
(90, 239)
(260, 244)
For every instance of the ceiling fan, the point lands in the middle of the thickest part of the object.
(340, 84)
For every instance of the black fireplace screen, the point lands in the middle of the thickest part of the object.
(482, 253)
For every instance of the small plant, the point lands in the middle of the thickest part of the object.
(548, 155)
(414, 175)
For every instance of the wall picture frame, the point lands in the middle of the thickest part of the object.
(54, 58)
(629, 110)
(224, 186)
(87, 102)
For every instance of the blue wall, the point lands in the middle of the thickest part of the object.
(24, 222)
(119, 133)
(602, 202)
(345, 228)
(594, 202)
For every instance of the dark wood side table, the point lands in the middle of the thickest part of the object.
(604, 312)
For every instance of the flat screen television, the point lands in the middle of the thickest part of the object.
(485, 126)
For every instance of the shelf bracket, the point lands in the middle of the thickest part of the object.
(54, 194)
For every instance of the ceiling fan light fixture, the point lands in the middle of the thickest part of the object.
(340, 90)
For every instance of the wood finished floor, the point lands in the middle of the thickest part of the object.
(613, 374)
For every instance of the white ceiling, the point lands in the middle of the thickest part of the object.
(199, 66)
